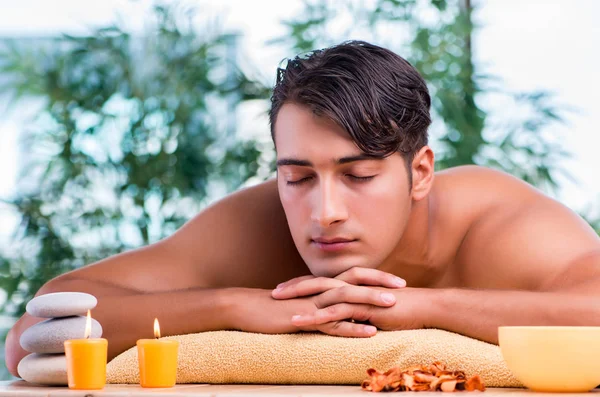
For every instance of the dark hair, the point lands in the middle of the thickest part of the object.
(375, 95)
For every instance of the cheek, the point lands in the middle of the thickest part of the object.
(294, 207)
(383, 213)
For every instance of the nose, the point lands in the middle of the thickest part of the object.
(328, 205)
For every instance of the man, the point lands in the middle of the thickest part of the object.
(357, 226)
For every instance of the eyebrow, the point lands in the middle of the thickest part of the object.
(342, 160)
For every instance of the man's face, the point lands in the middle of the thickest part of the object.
(344, 209)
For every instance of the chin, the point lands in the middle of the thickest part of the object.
(324, 269)
(331, 270)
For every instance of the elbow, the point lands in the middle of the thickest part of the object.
(13, 352)
(12, 355)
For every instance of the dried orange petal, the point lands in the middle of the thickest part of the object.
(433, 377)
(448, 386)
(474, 383)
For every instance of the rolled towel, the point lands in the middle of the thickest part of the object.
(313, 358)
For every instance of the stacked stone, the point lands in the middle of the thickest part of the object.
(65, 311)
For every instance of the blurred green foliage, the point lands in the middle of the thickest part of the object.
(129, 144)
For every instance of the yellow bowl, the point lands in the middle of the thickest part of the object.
(553, 359)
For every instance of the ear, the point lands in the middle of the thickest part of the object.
(423, 167)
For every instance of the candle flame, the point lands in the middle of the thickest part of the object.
(156, 329)
(88, 325)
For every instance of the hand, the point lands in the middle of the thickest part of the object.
(346, 288)
(412, 311)
(254, 310)
(311, 285)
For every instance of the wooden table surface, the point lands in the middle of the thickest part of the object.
(24, 389)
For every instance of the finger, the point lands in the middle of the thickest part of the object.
(375, 277)
(294, 281)
(339, 312)
(276, 292)
(355, 294)
(348, 329)
(307, 287)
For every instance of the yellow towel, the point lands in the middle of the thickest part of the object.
(312, 358)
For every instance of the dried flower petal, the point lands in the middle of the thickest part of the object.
(434, 377)
(448, 386)
(424, 377)
(474, 383)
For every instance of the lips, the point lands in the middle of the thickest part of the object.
(333, 244)
(323, 240)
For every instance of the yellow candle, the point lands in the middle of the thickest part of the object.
(157, 360)
(86, 360)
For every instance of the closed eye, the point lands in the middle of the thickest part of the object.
(352, 177)
(299, 181)
(360, 178)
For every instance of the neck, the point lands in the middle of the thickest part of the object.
(413, 247)
(411, 257)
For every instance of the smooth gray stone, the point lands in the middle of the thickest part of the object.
(61, 304)
(49, 336)
(44, 369)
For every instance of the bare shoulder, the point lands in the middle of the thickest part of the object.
(484, 183)
(242, 240)
(462, 196)
(513, 236)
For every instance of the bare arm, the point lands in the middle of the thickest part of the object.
(241, 241)
(479, 313)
